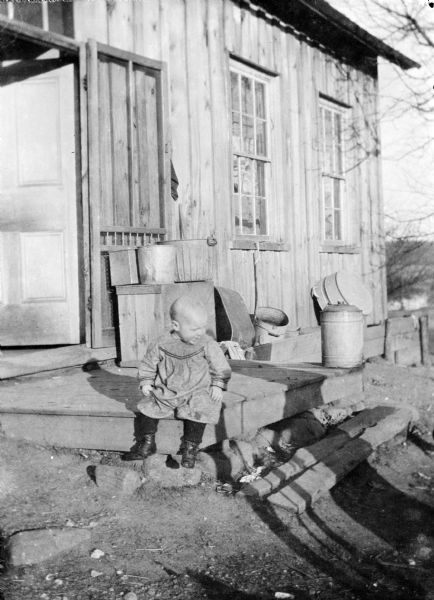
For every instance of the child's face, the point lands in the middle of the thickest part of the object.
(190, 328)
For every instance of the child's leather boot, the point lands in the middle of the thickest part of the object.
(142, 449)
(189, 452)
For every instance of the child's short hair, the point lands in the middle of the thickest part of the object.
(184, 305)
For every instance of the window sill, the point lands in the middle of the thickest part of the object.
(339, 249)
(263, 245)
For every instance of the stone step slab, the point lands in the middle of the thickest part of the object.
(38, 545)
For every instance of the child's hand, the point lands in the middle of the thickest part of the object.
(216, 393)
(147, 389)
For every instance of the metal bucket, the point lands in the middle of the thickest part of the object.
(342, 328)
(156, 263)
(270, 324)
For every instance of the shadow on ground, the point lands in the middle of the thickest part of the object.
(369, 500)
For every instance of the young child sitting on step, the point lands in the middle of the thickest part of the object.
(183, 374)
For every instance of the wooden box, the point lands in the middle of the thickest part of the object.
(144, 314)
(123, 267)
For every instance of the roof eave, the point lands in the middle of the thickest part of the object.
(303, 13)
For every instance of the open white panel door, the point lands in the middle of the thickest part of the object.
(39, 291)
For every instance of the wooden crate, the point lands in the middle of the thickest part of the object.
(144, 313)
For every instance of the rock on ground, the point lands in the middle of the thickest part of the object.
(117, 480)
(169, 473)
(37, 545)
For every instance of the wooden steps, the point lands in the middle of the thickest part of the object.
(313, 470)
(95, 409)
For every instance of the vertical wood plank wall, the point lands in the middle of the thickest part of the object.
(195, 38)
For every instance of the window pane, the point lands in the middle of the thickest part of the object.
(261, 216)
(261, 146)
(248, 135)
(235, 174)
(328, 162)
(338, 225)
(326, 181)
(247, 175)
(60, 18)
(247, 207)
(337, 193)
(328, 223)
(260, 99)
(235, 92)
(246, 95)
(236, 132)
(3, 8)
(260, 179)
(338, 143)
(237, 215)
(28, 12)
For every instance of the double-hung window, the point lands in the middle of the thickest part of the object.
(332, 173)
(250, 151)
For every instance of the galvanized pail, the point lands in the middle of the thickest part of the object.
(157, 264)
(342, 328)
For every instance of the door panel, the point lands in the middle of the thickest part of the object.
(39, 303)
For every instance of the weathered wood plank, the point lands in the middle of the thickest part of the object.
(374, 332)
(312, 174)
(50, 359)
(144, 313)
(298, 218)
(119, 89)
(314, 482)
(94, 191)
(302, 348)
(119, 24)
(179, 118)
(304, 458)
(201, 208)
(401, 325)
(84, 242)
(424, 340)
(88, 410)
(221, 159)
(123, 267)
(105, 145)
(409, 355)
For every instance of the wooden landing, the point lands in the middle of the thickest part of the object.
(21, 362)
(95, 409)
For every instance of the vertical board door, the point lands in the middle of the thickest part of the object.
(39, 292)
(129, 166)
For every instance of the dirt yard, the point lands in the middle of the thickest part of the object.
(371, 537)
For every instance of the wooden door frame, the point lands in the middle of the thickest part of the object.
(91, 150)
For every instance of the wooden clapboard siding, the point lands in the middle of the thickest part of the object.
(179, 111)
(221, 159)
(201, 221)
(287, 263)
(196, 39)
(90, 20)
(147, 28)
(105, 145)
(381, 292)
(300, 85)
(120, 25)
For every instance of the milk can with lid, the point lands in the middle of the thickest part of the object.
(342, 328)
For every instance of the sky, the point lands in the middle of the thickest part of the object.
(407, 136)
